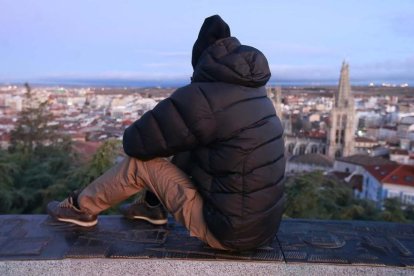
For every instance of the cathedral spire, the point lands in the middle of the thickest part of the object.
(344, 88)
(275, 94)
(342, 128)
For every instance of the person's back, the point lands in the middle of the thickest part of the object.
(239, 173)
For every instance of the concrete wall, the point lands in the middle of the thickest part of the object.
(158, 267)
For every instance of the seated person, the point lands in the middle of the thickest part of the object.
(225, 182)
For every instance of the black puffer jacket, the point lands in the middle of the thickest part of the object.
(227, 123)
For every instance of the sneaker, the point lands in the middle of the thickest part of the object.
(142, 210)
(66, 211)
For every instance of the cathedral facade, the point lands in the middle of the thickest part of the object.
(341, 132)
(338, 140)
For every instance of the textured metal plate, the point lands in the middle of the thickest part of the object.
(12, 227)
(349, 242)
(23, 247)
(88, 248)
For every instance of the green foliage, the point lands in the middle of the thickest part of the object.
(41, 166)
(316, 196)
(409, 212)
(30, 181)
(7, 168)
(37, 171)
(102, 160)
(360, 210)
(393, 211)
(37, 161)
(33, 127)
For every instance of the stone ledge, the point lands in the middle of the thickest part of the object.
(353, 244)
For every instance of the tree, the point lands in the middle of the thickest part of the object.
(41, 166)
(314, 195)
(33, 127)
(7, 168)
(41, 158)
(409, 212)
(102, 160)
(393, 211)
(360, 209)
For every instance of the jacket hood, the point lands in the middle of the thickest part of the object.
(213, 29)
(228, 61)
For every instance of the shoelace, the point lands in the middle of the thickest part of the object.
(66, 203)
(139, 200)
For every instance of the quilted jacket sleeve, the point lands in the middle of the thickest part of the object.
(179, 123)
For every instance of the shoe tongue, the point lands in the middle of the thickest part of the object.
(74, 200)
(71, 203)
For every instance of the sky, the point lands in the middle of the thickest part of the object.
(303, 40)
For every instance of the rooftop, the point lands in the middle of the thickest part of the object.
(402, 175)
(399, 151)
(312, 159)
(393, 174)
(380, 172)
(364, 140)
(365, 160)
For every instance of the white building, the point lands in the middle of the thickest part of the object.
(405, 128)
(400, 184)
(387, 133)
(381, 178)
(14, 102)
(400, 156)
(364, 145)
(372, 177)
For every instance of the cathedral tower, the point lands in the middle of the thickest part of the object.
(275, 94)
(342, 126)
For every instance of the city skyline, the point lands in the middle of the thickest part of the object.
(304, 42)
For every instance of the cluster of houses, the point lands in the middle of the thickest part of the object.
(367, 142)
(371, 177)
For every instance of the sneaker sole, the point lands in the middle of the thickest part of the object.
(80, 223)
(153, 221)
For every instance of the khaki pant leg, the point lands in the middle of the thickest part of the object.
(114, 186)
(171, 185)
(179, 196)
